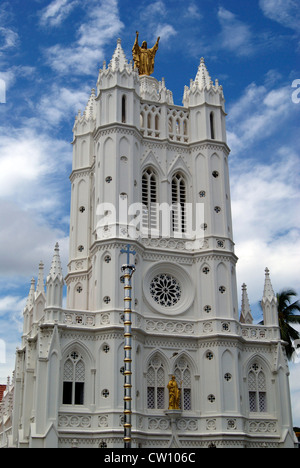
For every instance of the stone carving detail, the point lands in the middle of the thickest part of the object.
(84, 422)
(261, 426)
(211, 424)
(170, 327)
(185, 424)
(158, 424)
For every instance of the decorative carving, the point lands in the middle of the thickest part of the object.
(170, 327)
(84, 422)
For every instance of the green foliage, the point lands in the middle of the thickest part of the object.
(288, 315)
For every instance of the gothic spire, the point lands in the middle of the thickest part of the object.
(246, 315)
(55, 281)
(90, 109)
(40, 283)
(30, 299)
(268, 288)
(203, 78)
(209, 92)
(269, 302)
(56, 269)
(119, 60)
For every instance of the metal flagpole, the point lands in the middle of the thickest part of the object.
(127, 271)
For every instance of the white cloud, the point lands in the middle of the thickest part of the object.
(101, 25)
(152, 19)
(285, 12)
(10, 303)
(60, 103)
(266, 222)
(25, 240)
(193, 11)
(32, 195)
(165, 31)
(153, 11)
(25, 158)
(258, 114)
(56, 12)
(265, 168)
(235, 35)
(8, 39)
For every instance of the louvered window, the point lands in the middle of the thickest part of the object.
(179, 203)
(149, 200)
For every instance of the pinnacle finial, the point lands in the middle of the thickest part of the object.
(30, 299)
(119, 60)
(40, 283)
(246, 315)
(202, 78)
(268, 288)
(56, 269)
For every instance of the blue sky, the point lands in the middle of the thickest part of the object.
(50, 53)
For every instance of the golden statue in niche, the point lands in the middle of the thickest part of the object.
(174, 394)
(143, 57)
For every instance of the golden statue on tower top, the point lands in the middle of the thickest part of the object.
(143, 57)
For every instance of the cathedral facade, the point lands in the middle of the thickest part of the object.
(153, 175)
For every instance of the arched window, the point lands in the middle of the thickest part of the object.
(73, 380)
(257, 389)
(156, 122)
(142, 120)
(156, 384)
(124, 109)
(212, 125)
(185, 127)
(183, 378)
(149, 199)
(178, 203)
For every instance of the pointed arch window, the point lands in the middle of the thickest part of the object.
(156, 122)
(178, 203)
(73, 380)
(257, 389)
(156, 383)
(142, 120)
(212, 126)
(185, 128)
(149, 199)
(183, 378)
(124, 109)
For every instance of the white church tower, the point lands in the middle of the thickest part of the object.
(153, 175)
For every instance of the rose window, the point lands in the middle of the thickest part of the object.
(165, 290)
